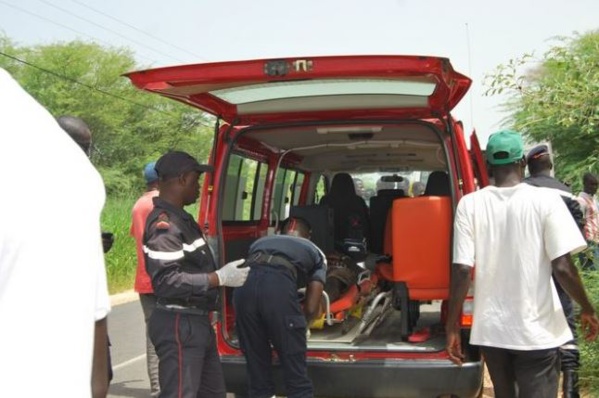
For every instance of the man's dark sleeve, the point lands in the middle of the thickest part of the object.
(164, 253)
(576, 211)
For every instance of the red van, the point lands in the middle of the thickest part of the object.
(284, 128)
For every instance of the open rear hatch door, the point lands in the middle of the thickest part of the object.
(478, 161)
(316, 88)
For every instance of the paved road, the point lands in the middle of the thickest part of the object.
(126, 330)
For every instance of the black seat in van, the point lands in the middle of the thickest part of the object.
(379, 210)
(320, 218)
(437, 184)
(351, 218)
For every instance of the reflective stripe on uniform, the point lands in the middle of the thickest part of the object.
(169, 256)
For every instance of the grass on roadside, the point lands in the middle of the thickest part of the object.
(121, 260)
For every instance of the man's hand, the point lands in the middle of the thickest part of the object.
(589, 325)
(454, 345)
(107, 241)
(232, 275)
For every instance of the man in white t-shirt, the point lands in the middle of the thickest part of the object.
(517, 235)
(53, 289)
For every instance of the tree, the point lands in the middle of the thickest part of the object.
(557, 99)
(129, 127)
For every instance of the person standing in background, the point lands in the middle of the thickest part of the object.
(143, 283)
(590, 210)
(79, 131)
(540, 165)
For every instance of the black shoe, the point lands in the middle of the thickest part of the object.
(570, 384)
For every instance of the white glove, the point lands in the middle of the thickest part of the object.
(231, 275)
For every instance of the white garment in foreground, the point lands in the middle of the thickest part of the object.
(512, 234)
(52, 274)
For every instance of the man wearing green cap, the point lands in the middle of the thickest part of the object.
(517, 235)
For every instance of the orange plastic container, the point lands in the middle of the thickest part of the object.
(421, 237)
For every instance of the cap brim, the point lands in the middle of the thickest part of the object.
(203, 168)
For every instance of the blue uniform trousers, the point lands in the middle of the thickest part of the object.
(268, 313)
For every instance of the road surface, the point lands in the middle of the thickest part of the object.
(127, 334)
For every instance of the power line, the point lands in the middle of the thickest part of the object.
(83, 84)
(64, 26)
(109, 30)
(137, 29)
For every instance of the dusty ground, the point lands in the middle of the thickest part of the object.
(488, 386)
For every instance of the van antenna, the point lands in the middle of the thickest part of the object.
(470, 73)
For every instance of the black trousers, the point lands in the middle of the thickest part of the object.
(523, 374)
(189, 365)
(569, 354)
(268, 312)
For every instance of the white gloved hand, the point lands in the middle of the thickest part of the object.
(231, 275)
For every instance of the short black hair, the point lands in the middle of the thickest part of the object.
(589, 177)
(77, 129)
(296, 223)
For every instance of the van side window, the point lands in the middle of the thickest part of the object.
(244, 189)
(288, 185)
(320, 189)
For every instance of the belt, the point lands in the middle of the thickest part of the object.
(183, 308)
(271, 259)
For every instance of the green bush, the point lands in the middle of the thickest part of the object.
(121, 260)
(589, 351)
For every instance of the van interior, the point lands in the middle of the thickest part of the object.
(403, 173)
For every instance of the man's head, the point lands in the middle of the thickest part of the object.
(296, 226)
(538, 160)
(505, 154)
(150, 175)
(590, 183)
(178, 174)
(78, 130)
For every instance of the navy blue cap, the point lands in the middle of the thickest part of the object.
(176, 163)
(150, 174)
(537, 152)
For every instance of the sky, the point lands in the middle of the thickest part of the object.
(476, 35)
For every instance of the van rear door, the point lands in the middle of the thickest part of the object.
(312, 88)
(478, 161)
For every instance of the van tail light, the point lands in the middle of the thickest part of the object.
(468, 308)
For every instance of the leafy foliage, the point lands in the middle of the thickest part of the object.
(130, 128)
(555, 99)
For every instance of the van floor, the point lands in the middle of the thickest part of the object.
(384, 336)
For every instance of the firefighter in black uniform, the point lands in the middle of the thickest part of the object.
(268, 310)
(539, 164)
(184, 277)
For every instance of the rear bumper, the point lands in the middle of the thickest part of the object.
(375, 379)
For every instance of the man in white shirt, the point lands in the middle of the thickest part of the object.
(53, 291)
(590, 210)
(517, 235)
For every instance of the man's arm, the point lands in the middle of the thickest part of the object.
(312, 302)
(567, 275)
(99, 382)
(460, 283)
